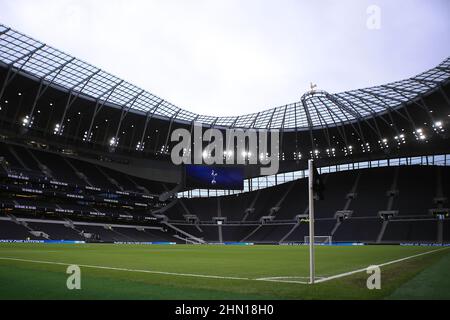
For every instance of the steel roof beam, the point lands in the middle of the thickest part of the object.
(338, 128)
(354, 113)
(422, 106)
(42, 90)
(446, 70)
(310, 123)
(389, 110)
(99, 105)
(322, 123)
(149, 116)
(297, 150)
(126, 110)
(384, 96)
(252, 126)
(5, 31)
(376, 116)
(269, 124)
(447, 99)
(166, 145)
(396, 110)
(84, 81)
(12, 72)
(397, 89)
(28, 54)
(71, 100)
(282, 128)
(425, 82)
(371, 111)
(343, 107)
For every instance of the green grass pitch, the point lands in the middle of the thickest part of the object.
(38, 271)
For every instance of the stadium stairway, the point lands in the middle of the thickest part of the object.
(19, 159)
(251, 209)
(274, 210)
(182, 232)
(56, 231)
(287, 235)
(391, 194)
(254, 231)
(269, 233)
(80, 175)
(111, 180)
(9, 230)
(13, 228)
(232, 233)
(12, 161)
(43, 168)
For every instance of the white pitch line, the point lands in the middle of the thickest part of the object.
(268, 279)
(282, 281)
(285, 279)
(281, 278)
(324, 279)
(346, 274)
(126, 270)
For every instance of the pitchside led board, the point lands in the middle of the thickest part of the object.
(214, 178)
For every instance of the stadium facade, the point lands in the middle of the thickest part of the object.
(85, 156)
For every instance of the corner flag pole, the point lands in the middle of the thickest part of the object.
(311, 223)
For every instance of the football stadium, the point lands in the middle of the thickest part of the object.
(88, 184)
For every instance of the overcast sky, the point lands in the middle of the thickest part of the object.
(231, 57)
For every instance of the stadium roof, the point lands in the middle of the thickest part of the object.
(317, 109)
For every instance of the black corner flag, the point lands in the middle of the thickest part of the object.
(318, 186)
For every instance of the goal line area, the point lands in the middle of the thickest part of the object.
(319, 239)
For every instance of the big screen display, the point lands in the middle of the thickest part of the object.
(214, 178)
